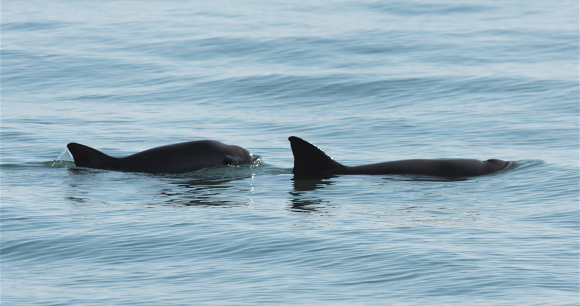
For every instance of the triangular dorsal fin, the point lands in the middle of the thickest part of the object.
(310, 160)
(88, 157)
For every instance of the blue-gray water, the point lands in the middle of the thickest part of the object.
(367, 81)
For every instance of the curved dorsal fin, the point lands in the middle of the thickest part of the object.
(88, 157)
(309, 160)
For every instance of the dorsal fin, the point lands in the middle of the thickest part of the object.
(88, 157)
(309, 160)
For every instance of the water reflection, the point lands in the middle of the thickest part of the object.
(203, 193)
(302, 198)
(214, 187)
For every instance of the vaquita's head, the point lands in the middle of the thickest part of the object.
(239, 155)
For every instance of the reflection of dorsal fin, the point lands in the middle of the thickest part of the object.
(88, 157)
(309, 160)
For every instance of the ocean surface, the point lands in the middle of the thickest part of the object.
(366, 81)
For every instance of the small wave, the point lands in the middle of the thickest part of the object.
(527, 163)
(64, 159)
(34, 26)
(60, 163)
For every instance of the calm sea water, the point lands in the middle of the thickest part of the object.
(367, 81)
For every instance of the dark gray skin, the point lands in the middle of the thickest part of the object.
(311, 161)
(175, 158)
